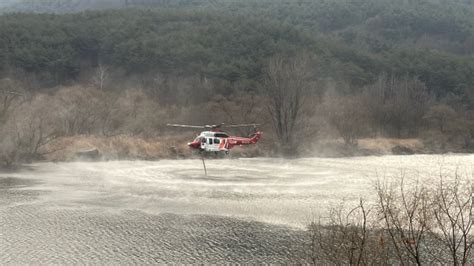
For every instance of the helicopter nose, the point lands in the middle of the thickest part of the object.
(193, 144)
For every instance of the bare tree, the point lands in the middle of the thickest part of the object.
(81, 110)
(412, 223)
(452, 208)
(239, 108)
(440, 116)
(348, 237)
(287, 84)
(398, 104)
(100, 77)
(448, 129)
(349, 115)
(9, 91)
(405, 216)
(33, 125)
(134, 113)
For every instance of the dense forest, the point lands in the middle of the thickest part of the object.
(401, 69)
(358, 39)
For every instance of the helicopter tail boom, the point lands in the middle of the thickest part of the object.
(238, 141)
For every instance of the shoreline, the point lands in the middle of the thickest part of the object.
(118, 148)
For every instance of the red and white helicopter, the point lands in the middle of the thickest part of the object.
(215, 140)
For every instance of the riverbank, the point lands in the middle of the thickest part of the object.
(132, 148)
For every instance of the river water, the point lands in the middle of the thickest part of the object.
(244, 210)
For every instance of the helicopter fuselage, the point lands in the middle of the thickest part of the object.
(218, 141)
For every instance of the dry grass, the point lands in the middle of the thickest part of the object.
(131, 148)
(375, 146)
(117, 147)
(385, 145)
(171, 147)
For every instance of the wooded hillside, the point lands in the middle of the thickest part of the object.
(359, 40)
(375, 67)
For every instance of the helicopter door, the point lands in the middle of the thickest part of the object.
(212, 144)
(216, 146)
(203, 143)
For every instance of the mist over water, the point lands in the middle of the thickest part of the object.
(165, 211)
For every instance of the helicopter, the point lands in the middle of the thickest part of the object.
(214, 140)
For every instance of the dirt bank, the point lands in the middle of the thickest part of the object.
(130, 148)
(174, 147)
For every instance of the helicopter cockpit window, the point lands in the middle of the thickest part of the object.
(217, 141)
(203, 140)
(221, 135)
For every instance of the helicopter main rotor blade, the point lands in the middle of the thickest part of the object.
(242, 125)
(185, 126)
(214, 126)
